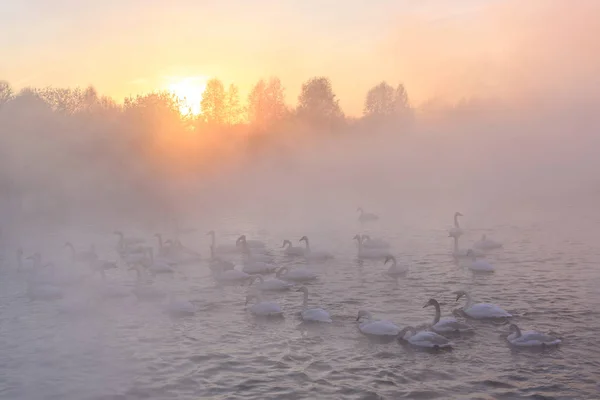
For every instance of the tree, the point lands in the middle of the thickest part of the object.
(380, 101)
(266, 103)
(317, 104)
(401, 103)
(214, 102)
(6, 92)
(233, 109)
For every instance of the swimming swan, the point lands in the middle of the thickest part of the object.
(82, 256)
(395, 269)
(369, 254)
(476, 265)
(368, 326)
(263, 308)
(312, 255)
(463, 253)
(456, 231)
(366, 216)
(271, 285)
(487, 244)
(427, 339)
(374, 243)
(312, 314)
(296, 274)
(530, 338)
(292, 250)
(480, 310)
(446, 324)
(222, 248)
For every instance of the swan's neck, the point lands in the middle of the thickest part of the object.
(438, 314)
(517, 331)
(307, 244)
(305, 301)
(212, 252)
(160, 242)
(70, 246)
(456, 221)
(469, 300)
(455, 244)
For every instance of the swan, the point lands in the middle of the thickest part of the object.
(179, 307)
(177, 253)
(292, 250)
(374, 243)
(157, 266)
(456, 231)
(231, 276)
(252, 243)
(144, 290)
(250, 257)
(296, 274)
(366, 216)
(463, 253)
(82, 256)
(258, 267)
(125, 242)
(319, 255)
(370, 254)
(222, 248)
(476, 265)
(427, 339)
(487, 244)
(480, 310)
(271, 285)
(218, 264)
(102, 266)
(446, 324)
(395, 269)
(312, 314)
(263, 308)
(530, 338)
(368, 326)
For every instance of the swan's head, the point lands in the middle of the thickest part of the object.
(483, 237)
(210, 233)
(19, 252)
(358, 238)
(281, 271)
(286, 242)
(241, 239)
(118, 233)
(359, 209)
(68, 244)
(459, 294)
(256, 278)
(303, 238)
(470, 253)
(302, 289)
(432, 302)
(513, 328)
(457, 214)
(406, 330)
(365, 237)
(363, 314)
(389, 258)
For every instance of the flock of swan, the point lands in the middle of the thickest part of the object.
(46, 283)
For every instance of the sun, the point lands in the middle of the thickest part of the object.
(189, 90)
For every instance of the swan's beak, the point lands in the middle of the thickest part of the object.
(426, 305)
(357, 318)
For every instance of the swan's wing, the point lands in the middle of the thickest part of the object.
(487, 310)
(316, 314)
(380, 328)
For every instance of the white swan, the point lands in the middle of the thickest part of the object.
(249, 256)
(487, 244)
(217, 264)
(426, 339)
(374, 243)
(456, 231)
(177, 253)
(312, 314)
(125, 242)
(83, 256)
(252, 243)
(530, 338)
(179, 307)
(480, 265)
(296, 274)
(232, 276)
(157, 266)
(368, 326)
(263, 308)
(143, 290)
(292, 250)
(446, 324)
(369, 254)
(271, 285)
(463, 253)
(366, 216)
(222, 248)
(481, 310)
(395, 269)
(312, 255)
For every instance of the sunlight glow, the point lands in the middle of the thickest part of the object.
(189, 90)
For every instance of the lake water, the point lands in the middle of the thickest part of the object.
(547, 276)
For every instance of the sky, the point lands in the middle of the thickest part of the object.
(437, 48)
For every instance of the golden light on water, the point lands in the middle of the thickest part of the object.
(189, 90)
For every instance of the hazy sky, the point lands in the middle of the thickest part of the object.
(132, 46)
